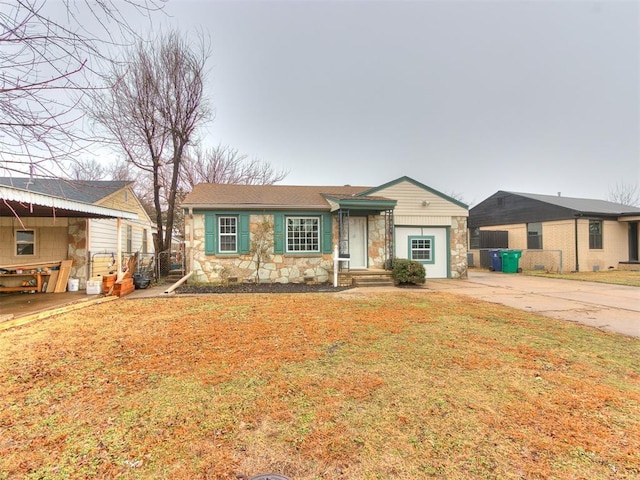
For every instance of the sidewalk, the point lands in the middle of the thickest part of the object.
(614, 308)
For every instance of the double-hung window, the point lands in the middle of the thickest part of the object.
(421, 249)
(534, 236)
(227, 234)
(595, 234)
(25, 242)
(303, 234)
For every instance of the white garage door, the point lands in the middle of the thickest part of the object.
(428, 245)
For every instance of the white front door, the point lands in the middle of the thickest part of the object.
(358, 242)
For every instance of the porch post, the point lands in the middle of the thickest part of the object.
(119, 246)
(388, 217)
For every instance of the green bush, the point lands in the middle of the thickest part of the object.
(408, 271)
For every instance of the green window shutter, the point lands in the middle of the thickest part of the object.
(209, 234)
(278, 233)
(327, 233)
(243, 246)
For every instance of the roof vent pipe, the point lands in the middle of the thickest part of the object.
(559, 194)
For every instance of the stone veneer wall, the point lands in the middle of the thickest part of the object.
(280, 268)
(298, 269)
(376, 241)
(77, 252)
(458, 247)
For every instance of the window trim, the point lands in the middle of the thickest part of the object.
(17, 243)
(318, 221)
(432, 250)
(593, 236)
(538, 237)
(474, 238)
(220, 234)
(145, 241)
(129, 239)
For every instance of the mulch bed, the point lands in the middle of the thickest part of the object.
(261, 288)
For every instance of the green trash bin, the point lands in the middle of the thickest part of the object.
(510, 260)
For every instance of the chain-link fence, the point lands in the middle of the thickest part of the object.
(547, 260)
(149, 265)
(104, 263)
(170, 263)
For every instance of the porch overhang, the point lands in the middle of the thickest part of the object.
(361, 205)
(15, 202)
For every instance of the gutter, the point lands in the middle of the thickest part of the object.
(252, 206)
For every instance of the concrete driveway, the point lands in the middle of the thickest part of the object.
(614, 308)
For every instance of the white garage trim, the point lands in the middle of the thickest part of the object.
(440, 266)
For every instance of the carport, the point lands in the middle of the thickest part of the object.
(20, 207)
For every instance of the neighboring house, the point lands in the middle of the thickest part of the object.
(280, 233)
(557, 233)
(93, 223)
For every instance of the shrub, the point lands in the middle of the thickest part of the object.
(408, 271)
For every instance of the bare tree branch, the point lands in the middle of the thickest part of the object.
(224, 164)
(152, 110)
(86, 170)
(47, 64)
(625, 194)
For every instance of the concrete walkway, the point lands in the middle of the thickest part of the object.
(614, 308)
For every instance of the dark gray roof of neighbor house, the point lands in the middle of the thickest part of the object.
(86, 191)
(584, 205)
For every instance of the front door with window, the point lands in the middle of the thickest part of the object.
(357, 242)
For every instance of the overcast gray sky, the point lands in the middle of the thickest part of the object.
(465, 96)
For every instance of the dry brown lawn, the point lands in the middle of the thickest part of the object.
(405, 385)
(617, 277)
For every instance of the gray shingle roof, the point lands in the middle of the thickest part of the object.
(76, 190)
(583, 205)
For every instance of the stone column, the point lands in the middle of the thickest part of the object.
(458, 247)
(77, 249)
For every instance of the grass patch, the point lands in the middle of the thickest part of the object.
(616, 277)
(388, 385)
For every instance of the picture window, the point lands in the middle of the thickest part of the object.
(303, 234)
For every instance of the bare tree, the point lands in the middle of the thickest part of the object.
(459, 197)
(224, 164)
(121, 170)
(625, 194)
(46, 66)
(151, 112)
(86, 169)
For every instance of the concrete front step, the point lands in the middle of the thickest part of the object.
(373, 281)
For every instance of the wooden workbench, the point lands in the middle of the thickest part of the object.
(39, 277)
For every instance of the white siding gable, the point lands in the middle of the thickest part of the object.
(417, 206)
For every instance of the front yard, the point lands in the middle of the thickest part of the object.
(404, 385)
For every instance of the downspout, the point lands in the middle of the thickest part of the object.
(87, 230)
(575, 223)
(119, 248)
(191, 249)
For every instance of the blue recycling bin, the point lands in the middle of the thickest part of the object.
(496, 260)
